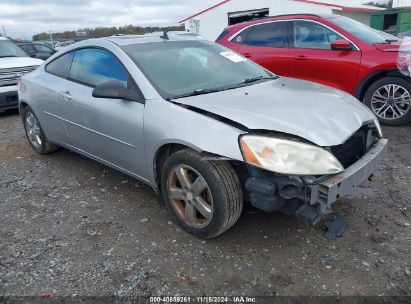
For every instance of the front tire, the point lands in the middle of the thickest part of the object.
(203, 196)
(35, 134)
(390, 100)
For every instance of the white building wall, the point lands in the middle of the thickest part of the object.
(401, 3)
(364, 18)
(212, 23)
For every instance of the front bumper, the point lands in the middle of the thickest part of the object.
(329, 190)
(8, 98)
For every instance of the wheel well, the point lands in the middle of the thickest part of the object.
(23, 105)
(161, 156)
(369, 80)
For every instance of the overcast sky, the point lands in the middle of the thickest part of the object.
(23, 18)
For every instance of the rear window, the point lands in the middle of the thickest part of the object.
(242, 37)
(61, 66)
(273, 34)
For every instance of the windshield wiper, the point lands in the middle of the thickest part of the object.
(387, 41)
(8, 56)
(258, 78)
(234, 86)
(197, 92)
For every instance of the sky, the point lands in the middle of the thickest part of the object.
(24, 18)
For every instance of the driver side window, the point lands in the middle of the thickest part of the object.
(93, 67)
(311, 35)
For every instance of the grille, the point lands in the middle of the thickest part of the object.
(352, 150)
(8, 77)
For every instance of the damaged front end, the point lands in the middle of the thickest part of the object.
(310, 197)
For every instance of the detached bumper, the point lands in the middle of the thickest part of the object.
(8, 100)
(337, 186)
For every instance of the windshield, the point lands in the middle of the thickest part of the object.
(9, 49)
(177, 68)
(359, 30)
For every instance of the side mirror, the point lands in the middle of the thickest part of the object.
(116, 89)
(341, 45)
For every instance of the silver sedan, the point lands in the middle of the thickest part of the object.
(205, 127)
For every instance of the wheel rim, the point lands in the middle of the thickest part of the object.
(33, 130)
(190, 196)
(391, 102)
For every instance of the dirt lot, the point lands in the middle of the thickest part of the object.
(71, 226)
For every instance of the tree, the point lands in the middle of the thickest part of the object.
(104, 32)
(384, 5)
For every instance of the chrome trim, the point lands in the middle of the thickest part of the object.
(91, 130)
(288, 20)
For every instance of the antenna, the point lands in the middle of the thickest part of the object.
(165, 36)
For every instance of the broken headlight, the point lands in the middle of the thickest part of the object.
(287, 156)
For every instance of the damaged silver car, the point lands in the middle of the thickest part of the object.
(205, 127)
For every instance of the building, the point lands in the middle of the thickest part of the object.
(210, 22)
(401, 3)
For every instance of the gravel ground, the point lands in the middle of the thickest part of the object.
(71, 226)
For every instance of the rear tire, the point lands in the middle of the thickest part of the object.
(221, 193)
(35, 134)
(390, 100)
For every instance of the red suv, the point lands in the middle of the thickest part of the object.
(331, 50)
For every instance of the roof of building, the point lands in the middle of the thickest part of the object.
(351, 6)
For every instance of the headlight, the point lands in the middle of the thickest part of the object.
(288, 157)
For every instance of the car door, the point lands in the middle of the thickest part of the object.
(42, 51)
(313, 59)
(267, 44)
(52, 105)
(107, 129)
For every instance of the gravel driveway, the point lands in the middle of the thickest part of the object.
(71, 226)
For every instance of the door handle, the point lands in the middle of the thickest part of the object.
(247, 55)
(300, 57)
(66, 95)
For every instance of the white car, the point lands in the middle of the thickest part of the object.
(14, 63)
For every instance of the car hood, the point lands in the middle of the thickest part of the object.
(388, 47)
(320, 114)
(18, 62)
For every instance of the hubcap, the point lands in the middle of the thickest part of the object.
(391, 102)
(33, 130)
(190, 196)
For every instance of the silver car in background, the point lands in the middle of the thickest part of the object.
(205, 127)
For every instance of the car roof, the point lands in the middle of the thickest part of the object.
(152, 37)
(280, 17)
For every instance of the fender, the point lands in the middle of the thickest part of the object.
(374, 76)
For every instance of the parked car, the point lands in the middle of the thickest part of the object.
(37, 50)
(331, 50)
(14, 63)
(202, 125)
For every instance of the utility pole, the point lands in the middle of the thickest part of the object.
(4, 31)
(51, 34)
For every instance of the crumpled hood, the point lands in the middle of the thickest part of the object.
(388, 47)
(320, 114)
(18, 62)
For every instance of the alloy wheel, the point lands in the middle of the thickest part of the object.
(190, 196)
(33, 130)
(391, 102)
